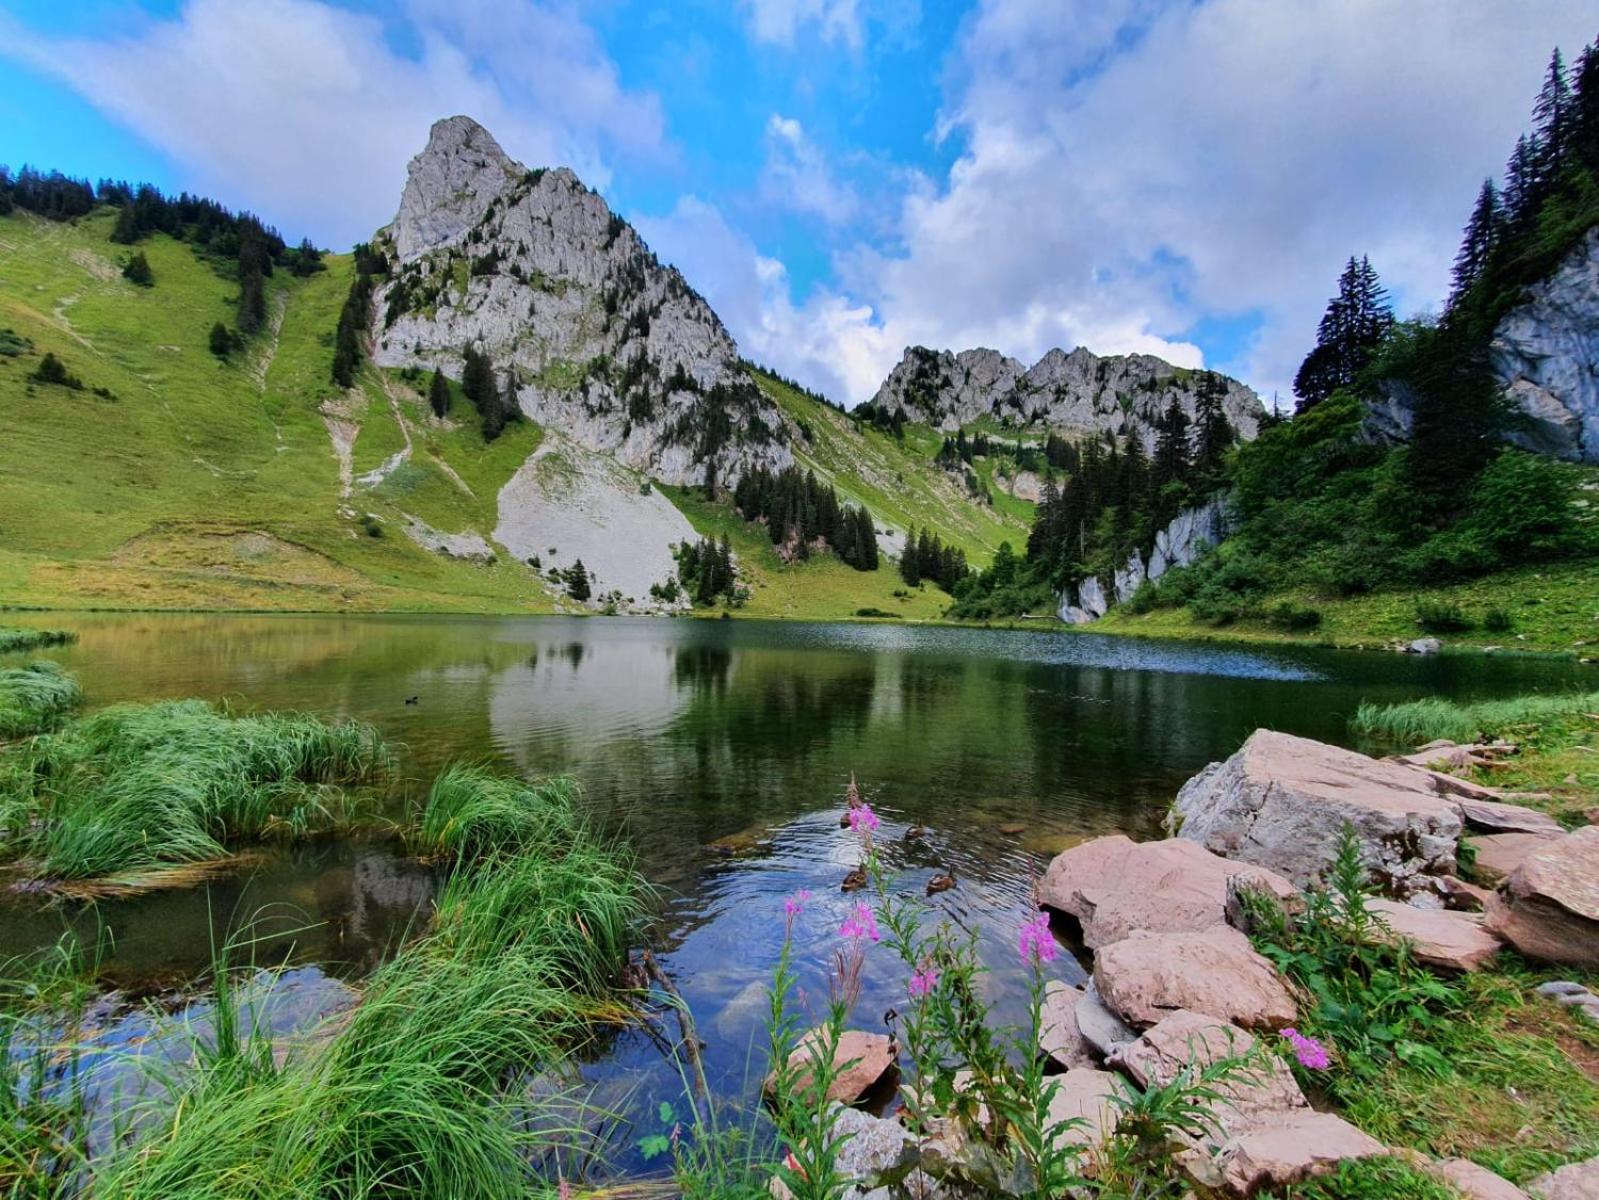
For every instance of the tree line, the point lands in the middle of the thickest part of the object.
(799, 508)
(926, 557)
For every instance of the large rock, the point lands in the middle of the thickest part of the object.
(1087, 1097)
(1450, 941)
(864, 1058)
(1282, 801)
(1474, 1182)
(1058, 1032)
(878, 1152)
(1496, 816)
(1098, 1025)
(1147, 977)
(1193, 1039)
(1297, 1146)
(1574, 1181)
(1546, 355)
(1114, 886)
(1549, 907)
(1497, 855)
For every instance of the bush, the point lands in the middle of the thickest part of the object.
(1442, 616)
(1498, 620)
(137, 271)
(372, 526)
(1289, 616)
(52, 370)
(872, 612)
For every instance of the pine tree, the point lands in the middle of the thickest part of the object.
(126, 231)
(1171, 445)
(221, 340)
(577, 581)
(1552, 117)
(865, 540)
(1354, 325)
(1213, 433)
(439, 394)
(477, 379)
(1478, 242)
(1585, 109)
(137, 271)
(1521, 183)
(910, 566)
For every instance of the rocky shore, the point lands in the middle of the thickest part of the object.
(1176, 984)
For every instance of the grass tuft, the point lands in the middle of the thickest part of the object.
(1425, 720)
(12, 640)
(35, 698)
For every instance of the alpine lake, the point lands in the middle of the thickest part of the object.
(721, 751)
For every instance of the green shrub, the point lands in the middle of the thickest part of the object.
(1289, 616)
(1498, 620)
(1442, 616)
(872, 612)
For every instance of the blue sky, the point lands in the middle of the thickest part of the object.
(844, 177)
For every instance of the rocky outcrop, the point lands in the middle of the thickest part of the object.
(1079, 394)
(595, 336)
(1546, 354)
(1445, 941)
(1282, 801)
(1549, 906)
(1146, 977)
(1114, 886)
(1497, 855)
(1191, 532)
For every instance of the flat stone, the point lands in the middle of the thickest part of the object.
(1495, 816)
(1186, 1038)
(1298, 1146)
(1449, 941)
(1099, 1026)
(1114, 886)
(1574, 1181)
(869, 1055)
(1549, 907)
(1474, 1182)
(1086, 1095)
(1058, 1034)
(1282, 801)
(1462, 896)
(1499, 854)
(1147, 977)
(1558, 988)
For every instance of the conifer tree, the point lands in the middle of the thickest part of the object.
(439, 394)
(910, 566)
(137, 271)
(1478, 242)
(477, 378)
(1171, 445)
(1213, 433)
(126, 231)
(221, 340)
(1585, 109)
(1521, 183)
(577, 581)
(1552, 118)
(1354, 325)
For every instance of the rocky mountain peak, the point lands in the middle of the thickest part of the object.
(596, 337)
(1076, 393)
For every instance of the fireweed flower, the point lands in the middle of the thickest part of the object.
(923, 981)
(795, 904)
(1036, 943)
(862, 923)
(863, 820)
(1312, 1055)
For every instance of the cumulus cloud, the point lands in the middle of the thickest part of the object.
(797, 175)
(780, 21)
(304, 111)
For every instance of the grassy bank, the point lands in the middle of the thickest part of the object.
(13, 640)
(35, 698)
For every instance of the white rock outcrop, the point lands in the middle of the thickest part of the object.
(597, 337)
(1546, 354)
(1190, 533)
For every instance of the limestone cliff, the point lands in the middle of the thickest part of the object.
(603, 342)
(1546, 353)
(1190, 533)
(1077, 394)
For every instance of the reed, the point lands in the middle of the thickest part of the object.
(12, 640)
(1418, 721)
(35, 697)
(471, 812)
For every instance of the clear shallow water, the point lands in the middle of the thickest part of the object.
(723, 749)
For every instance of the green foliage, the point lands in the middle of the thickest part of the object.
(52, 370)
(32, 639)
(13, 344)
(1374, 1179)
(1417, 721)
(137, 270)
(797, 508)
(707, 572)
(1440, 616)
(349, 339)
(1293, 618)
(35, 698)
(474, 813)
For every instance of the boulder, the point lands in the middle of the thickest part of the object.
(1148, 976)
(1497, 817)
(1058, 1034)
(1549, 907)
(1189, 1037)
(1295, 1146)
(1100, 1028)
(1085, 1095)
(1461, 896)
(1424, 645)
(1572, 995)
(1281, 802)
(1497, 855)
(1449, 941)
(1474, 1182)
(879, 1152)
(869, 1056)
(1114, 886)
(1574, 1181)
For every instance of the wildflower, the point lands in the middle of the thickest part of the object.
(795, 904)
(1312, 1055)
(863, 818)
(862, 923)
(1036, 943)
(923, 981)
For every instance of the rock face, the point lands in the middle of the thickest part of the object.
(1282, 801)
(1078, 394)
(597, 338)
(1114, 887)
(1190, 533)
(1147, 977)
(1546, 354)
(1549, 907)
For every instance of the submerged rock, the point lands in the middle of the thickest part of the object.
(1282, 801)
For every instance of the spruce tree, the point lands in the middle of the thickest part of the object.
(1171, 445)
(1478, 242)
(1552, 118)
(126, 231)
(1521, 183)
(1357, 320)
(221, 340)
(137, 271)
(910, 566)
(1213, 433)
(1585, 110)
(439, 394)
(477, 379)
(577, 581)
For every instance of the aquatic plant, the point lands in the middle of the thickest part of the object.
(12, 639)
(471, 812)
(35, 697)
(141, 787)
(1418, 721)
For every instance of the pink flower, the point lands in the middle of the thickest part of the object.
(795, 904)
(1036, 942)
(923, 981)
(1312, 1055)
(863, 818)
(862, 923)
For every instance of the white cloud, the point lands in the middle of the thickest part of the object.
(304, 112)
(797, 175)
(780, 21)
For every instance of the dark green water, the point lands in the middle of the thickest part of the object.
(1007, 746)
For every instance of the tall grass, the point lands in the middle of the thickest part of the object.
(471, 812)
(426, 1092)
(35, 697)
(32, 639)
(141, 787)
(1418, 721)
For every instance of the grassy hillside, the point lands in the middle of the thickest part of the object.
(192, 482)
